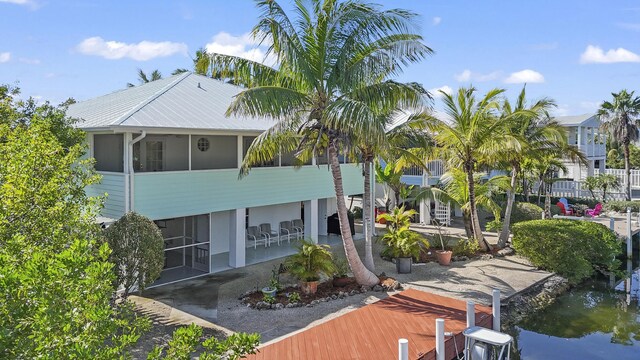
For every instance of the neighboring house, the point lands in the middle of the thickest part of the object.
(166, 150)
(584, 132)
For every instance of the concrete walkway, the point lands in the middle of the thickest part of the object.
(214, 298)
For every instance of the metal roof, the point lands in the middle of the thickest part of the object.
(184, 101)
(576, 120)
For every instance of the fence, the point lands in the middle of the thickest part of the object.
(577, 189)
(622, 176)
(436, 169)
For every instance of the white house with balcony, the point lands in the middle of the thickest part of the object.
(584, 132)
(166, 150)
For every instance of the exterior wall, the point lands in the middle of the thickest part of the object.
(162, 195)
(222, 153)
(112, 184)
(176, 152)
(220, 231)
(273, 214)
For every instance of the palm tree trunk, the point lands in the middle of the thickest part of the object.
(466, 219)
(511, 195)
(360, 272)
(547, 201)
(475, 222)
(366, 209)
(627, 169)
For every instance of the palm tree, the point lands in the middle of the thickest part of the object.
(536, 133)
(143, 78)
(471, 136)
(620, 119)
(332, 80)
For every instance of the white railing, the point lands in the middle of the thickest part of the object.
(436, 169)
(622, 176)
(577, 189)
(593, 150)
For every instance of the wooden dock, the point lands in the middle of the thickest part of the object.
(372, 332)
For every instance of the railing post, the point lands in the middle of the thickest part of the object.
(440, 349)
(471, 314)
(629, 240)
(495, 309)
(403, 349)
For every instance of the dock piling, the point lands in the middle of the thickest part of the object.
(495, 309)
(403, 349)
(440, 349)
(629, 235)
(471, 314)
(612, 224)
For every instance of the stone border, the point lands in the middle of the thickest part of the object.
(532, 299)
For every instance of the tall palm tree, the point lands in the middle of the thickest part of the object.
(531, 126)
(143, 78)
(470, 137)
(620, 119)
(332, 79)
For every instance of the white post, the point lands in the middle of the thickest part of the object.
(240, 150)
(311, 220)
(440, 349)
(612, 224)
(471, 314)
(189, 151)
(495, 309)
(403, 349)
(543, 215)
(629, 240)
(237, 246)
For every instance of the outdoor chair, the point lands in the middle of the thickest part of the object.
(265, 229)
(286, 231)
(298, 226)
(564, 210)
(595, 211)
(253, 234)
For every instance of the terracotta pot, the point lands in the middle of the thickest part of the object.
(341, 281)
(444, 257)
(309, 287)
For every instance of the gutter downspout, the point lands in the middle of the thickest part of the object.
(131, 170)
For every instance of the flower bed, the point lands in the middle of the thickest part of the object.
(326, 292)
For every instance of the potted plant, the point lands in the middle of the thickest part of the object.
(309, 263)
(402, 243)
(444, 255)
(340, 278)
(274, 284)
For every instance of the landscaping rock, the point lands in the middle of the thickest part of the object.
(291, 305)
(486, 257)
(377, 288)
(315, 302)
(364, 289)
(459, 258)
(261, 305)
(309, 305)
(390, 284)
(334, 297)
(278, 306)
(353, 292)
(505, 252)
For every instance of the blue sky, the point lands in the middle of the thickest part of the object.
(574, 51)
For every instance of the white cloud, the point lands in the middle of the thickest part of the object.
(29, 61)
(142, 51)
(436, 21)
(590, 106)
(524, 76)
(468, 75)
(30, 3)
(435, 92)
(4, 57)
(242, 46)
(595, 55)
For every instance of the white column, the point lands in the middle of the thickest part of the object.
(311, 220)
(210, 216)
(495, 309)
(127, 163)
(471, 314)
(579, 136)
(237, 246)
(440, 349)
(189, 152)
(403, 349)
(240, 148)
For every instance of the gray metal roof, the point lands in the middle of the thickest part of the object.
(575, 120)
(184, 101)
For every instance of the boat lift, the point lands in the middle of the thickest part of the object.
(484, 344)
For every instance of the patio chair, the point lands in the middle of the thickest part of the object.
(253, 234)
(564, 210)
(265, 229)
(286, 231)
(595, 211)
(298, 226)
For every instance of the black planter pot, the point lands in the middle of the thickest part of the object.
(403, 265)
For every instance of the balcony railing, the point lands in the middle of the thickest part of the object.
(436, 169)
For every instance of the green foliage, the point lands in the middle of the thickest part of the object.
(185, 342)
(341, 268)
(294, 297)
(55, 280)
(137, 250)
(466, 247)
(357, 212)
(274, 280)
(399, 240)
(523, 211)
(494, 225)
(310, 261)
(568, 247)
(602, 183)
(269, 299)
(621, 206)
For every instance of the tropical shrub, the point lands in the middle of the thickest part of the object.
(621, 206)
(494, 225)
(568, 247)
(311, 261)
(185, 342)
(294, 297)
(137, 250)
(466, 247)
(399, 240)
(523, 211)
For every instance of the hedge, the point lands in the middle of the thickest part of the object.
(621, 206)
(570, 248)
(523, 211)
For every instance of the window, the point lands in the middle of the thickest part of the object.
(203, 144)
(155, 155)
